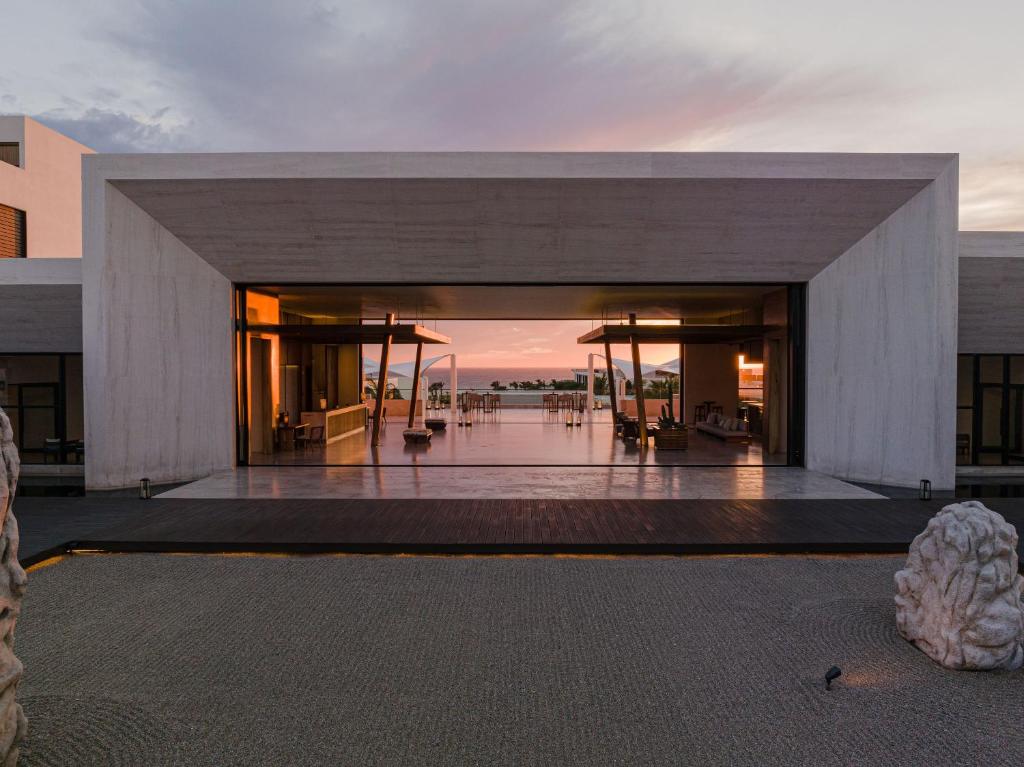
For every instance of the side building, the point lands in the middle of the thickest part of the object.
(41, 294)
(990, 365)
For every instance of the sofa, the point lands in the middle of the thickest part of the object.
(728, 429)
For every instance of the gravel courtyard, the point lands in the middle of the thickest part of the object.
(250, 660)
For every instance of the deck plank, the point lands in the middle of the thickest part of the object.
(482, 525)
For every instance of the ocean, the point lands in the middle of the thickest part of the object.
(480, 378)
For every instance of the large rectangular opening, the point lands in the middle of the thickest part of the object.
(507, 378)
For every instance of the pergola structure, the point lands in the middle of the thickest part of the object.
(635, 334)
(351, 333)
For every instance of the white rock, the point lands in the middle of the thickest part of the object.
(12, 589)
(959, 597)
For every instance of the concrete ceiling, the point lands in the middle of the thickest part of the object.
(519, 229)
(474, 302)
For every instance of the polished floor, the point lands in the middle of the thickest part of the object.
(644, 482)
(526, 437)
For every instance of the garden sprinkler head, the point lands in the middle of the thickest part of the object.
(831, 675)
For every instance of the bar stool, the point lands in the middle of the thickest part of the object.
(700, 413)
(716, 409)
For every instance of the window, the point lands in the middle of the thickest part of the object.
(42, 395)
(10, 152)
(12, 233)
(990, 409)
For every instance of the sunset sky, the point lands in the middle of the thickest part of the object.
(525, 343)
(800, 75)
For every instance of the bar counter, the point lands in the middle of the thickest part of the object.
(338, 423)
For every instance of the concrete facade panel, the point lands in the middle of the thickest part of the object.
(159, 374)
(881, 349)
(991, 314)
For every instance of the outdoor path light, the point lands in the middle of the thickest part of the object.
(831, 675)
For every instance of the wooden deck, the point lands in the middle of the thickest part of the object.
(481, 526)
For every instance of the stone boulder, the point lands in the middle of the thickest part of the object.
(959, 597)
(12, 589)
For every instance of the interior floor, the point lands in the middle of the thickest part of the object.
(529, 437)
(643, 482)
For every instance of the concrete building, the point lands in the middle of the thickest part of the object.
(41, 179)
(204, 278)
(41, 284)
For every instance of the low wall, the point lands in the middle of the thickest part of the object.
(651, 405)
(395, 407)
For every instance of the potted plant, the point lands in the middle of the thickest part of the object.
(671, 435)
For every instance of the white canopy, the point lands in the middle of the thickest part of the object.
(399, 369)
(647, 370)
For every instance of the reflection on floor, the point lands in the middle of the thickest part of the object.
(649, 482)
(521, 438)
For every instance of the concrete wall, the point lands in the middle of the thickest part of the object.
(991, 293)
(158, 328)
(881, 349)
(509, 217)
(47, 186)
(40, 305)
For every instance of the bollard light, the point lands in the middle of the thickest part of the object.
(925, 492)
(831, 675)
(145, 491)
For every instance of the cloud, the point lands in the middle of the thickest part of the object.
(278, 75)
(111, 131)
(531, 350)
(399, 74)
(992, 194)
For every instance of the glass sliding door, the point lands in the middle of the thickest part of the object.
(990, 409)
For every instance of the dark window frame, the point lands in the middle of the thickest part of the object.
(5, 156)
(796, 383)
(1010, 454)
(20, 231)
(59, 406)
